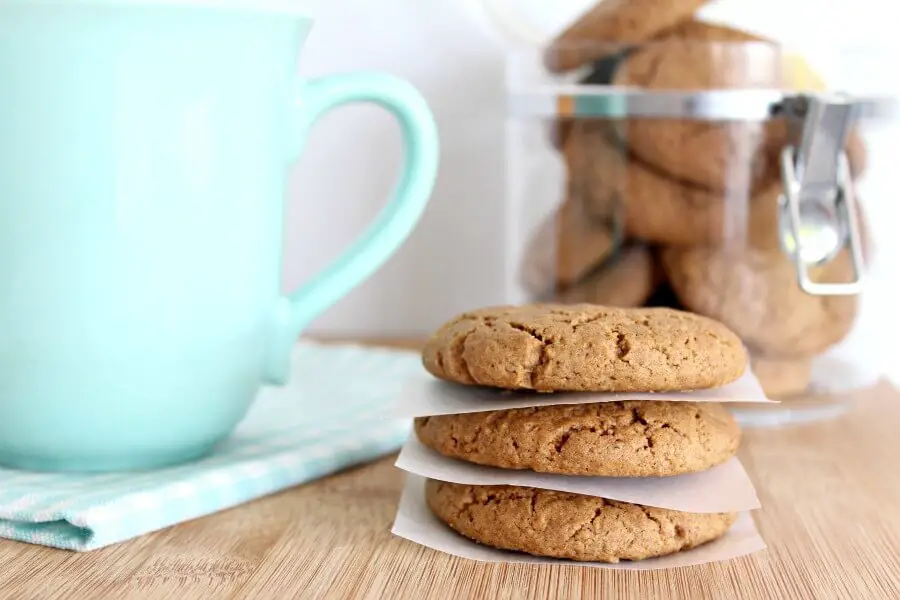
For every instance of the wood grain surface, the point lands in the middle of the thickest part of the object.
(831, 518)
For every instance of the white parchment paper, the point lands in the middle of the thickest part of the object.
(416, 522)
(724, 488)
(424, 395)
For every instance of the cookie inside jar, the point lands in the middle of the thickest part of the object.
(696, 203)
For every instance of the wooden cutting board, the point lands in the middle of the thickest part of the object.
(831, 518)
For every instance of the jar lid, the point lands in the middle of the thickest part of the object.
(577, 101)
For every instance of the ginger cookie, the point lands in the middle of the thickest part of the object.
(627, 280)
(722, 156)
(585, 347)
(719, 155)
(611, 25)
(755, 292)
(566, 525)
(565, 247)
(857, 155)
(601, 74)
(695, 55)
(782, 377)
(652, 205)
(610, 439)
(597, 169)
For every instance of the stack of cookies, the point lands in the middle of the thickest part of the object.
(550, 351)
(684, 213)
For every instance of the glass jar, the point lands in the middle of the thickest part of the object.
(728, 178)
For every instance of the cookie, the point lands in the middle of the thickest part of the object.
(610, 439)
(694, 55)
(597, 170)
(782, 377)
(857, 155)
(611, 25)
(601, 73)
(566, 525)
(628, 280)
(652, 205)
(719, 155)
(585, 347)
(865, 233)
(565, 247)
(756, 293)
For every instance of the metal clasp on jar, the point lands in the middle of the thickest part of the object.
(817, 212)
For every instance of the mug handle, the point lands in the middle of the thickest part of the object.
(395, 221)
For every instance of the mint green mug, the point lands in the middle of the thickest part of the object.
(144, 148)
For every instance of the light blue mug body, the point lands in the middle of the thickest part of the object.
(144, 149)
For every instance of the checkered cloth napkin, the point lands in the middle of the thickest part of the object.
(330, 416)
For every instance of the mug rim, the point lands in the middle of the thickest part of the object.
(286, 7)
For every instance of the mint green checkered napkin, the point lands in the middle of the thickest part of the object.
(329, 417)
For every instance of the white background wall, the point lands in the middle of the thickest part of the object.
(455, 259)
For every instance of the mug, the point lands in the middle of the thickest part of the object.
(144, 149)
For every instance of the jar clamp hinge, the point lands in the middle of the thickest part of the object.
(818, 217)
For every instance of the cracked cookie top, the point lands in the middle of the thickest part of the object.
(564, 525)
(610, 439)
(584, 347)
(612, 25)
